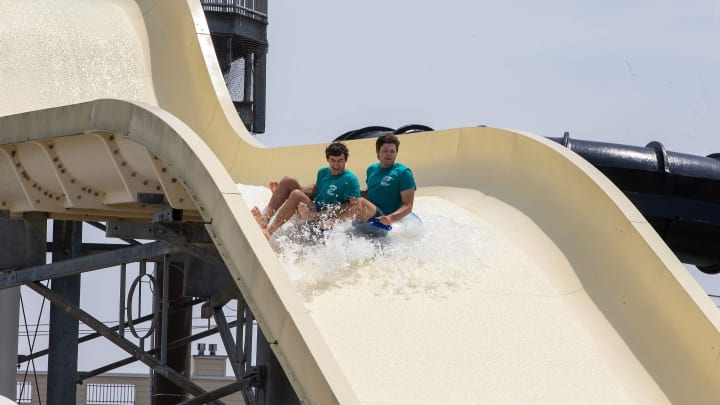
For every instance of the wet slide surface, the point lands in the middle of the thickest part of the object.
(462, 312)
(534, 278)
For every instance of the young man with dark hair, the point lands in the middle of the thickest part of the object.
(331, 194)
(391, 185)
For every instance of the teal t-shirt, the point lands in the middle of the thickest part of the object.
(335, 190)
(385, 185)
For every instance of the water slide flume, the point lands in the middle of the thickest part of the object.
(648, 332)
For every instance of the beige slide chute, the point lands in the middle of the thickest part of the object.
(102, 100)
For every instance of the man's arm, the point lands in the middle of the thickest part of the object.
(408, 198)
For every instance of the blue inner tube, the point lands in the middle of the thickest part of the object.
(373, 227)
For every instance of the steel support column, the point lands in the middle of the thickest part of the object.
(22, 243)
(275, 388)
(259, 90)
(178, 325)
(63, 341)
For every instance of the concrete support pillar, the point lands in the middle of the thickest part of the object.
(63, 341)
(22, 244)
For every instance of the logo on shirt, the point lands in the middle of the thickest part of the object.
(331, 190)
(386, 181)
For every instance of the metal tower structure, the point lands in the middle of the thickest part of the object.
(176, 258)
(239, 34)
(187, 272)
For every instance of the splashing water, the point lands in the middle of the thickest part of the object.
(449, 249)
(457, 305)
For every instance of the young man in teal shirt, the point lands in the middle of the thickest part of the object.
(331, 194)
(391, 185)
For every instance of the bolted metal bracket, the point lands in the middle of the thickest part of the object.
(167, 215)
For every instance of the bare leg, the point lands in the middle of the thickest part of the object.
(261, 221)
(303, 211)
(287, 210)
(345, 212)
(259, 217)
(361, 208)
(280, 192)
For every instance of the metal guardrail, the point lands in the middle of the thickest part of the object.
(255, 9)
(23, 392)
(103, 394)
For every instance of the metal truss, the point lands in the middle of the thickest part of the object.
(172, 240)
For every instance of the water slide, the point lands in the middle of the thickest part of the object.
(582, 301)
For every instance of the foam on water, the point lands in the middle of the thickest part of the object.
(451, 248)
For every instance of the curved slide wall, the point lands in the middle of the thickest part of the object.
(653, 333)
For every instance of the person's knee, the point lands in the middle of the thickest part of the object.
(362, 207)
(296, 196)
(289, 182)
(367, 209)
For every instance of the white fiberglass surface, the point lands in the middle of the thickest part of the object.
(453, 312)
(68, 52)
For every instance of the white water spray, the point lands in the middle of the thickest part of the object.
(449, 249)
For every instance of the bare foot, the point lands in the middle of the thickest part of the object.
(273, 186)
(326, 224)
(259, 217)
(303, 211)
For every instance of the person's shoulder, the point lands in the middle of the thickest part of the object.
(349, 174)
(374, 166)
(402, 168)
(405, 172)
(323, 170)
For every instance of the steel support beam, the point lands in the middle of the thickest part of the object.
(170, 360)
(64, 329)
(259, 91)
(228, 342)
(86, 338)
(104, 228)
(180, 232)
(122, 343)
(128, 360)
(275, 388)
(16, 277)
(249, 335)
(229, 389)
(219, 299)
(175, 327)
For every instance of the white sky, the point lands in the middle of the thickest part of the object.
(613, 71)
